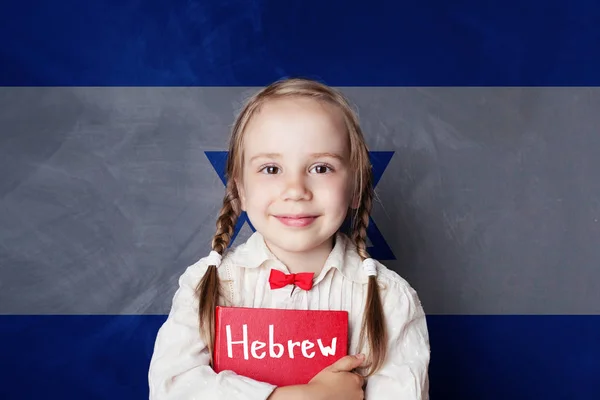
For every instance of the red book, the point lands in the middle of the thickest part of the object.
(278, 346)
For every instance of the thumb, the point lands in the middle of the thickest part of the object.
(347, 363)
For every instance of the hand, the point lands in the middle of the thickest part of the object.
(338, 381)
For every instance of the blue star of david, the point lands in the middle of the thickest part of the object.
(379, 248)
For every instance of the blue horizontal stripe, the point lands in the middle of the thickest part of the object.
(350, 43)
(473, 357)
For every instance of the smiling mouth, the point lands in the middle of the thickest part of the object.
(298, 221)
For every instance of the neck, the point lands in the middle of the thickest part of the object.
(305, 261)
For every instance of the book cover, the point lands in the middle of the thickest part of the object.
(279, 346)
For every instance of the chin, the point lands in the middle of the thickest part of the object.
(294, 247)
(296, 242)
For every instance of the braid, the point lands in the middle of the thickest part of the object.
(373, 325)
(230, 211)
(208, 289)
(361, 222)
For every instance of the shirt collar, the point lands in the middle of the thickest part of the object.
(344, 257)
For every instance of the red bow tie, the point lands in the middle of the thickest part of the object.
(303, 280)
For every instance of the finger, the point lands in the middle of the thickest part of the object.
(347, 363)
(360, 380)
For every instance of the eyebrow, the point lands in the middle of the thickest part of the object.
(314, 155)
(265, 155)
(330, 155)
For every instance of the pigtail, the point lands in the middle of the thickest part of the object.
(208, 289)
(373, 327)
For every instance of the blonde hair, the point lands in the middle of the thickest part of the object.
(373, 328)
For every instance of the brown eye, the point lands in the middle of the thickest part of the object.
(271, 170)
(321, 169)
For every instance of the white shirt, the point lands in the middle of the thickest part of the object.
(179, 367)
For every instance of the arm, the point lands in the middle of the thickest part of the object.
(404, 375)
(298, 392)
(336, 382)
(179, 368)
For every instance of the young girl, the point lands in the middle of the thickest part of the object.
(299, 167)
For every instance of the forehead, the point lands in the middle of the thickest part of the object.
(296, 126)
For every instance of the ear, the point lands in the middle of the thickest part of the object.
(354, 198)
(241, 193)
(355, 202)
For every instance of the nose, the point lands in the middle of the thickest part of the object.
(296, 188)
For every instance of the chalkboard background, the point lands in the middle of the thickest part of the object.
(484, 127)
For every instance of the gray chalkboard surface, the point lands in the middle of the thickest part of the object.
(490, 202)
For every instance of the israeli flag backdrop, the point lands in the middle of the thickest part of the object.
(483, 118)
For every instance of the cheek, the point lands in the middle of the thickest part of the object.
(258, 191)
(337, 192)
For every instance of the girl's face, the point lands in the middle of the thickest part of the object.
(296, 184)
